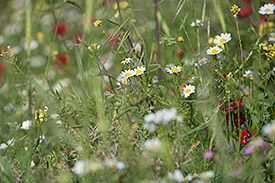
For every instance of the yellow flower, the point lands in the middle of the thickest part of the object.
(97, 23)
(180, 39)
(235, 9)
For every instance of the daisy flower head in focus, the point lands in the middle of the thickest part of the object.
(126, 61)
(198, 23)
(222, 39)
(214, 50)
(267, 9)
(188, 90)
(127, 73)
(26, 125)
(173, 69)
(271, 37)
(139, 70)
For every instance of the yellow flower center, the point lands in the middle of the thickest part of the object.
(94, 169)
(267, 10)
(272, 130)
(153, 147)
(27, 127)
(175, 69)
(127, 74)
(223, 40)
(206, 176)
(188, 90)
(124, 82)
(180, 39)
(273, 37)
(214, 51)
(126, 60)
(113, 166)
(138, 71)
(197, 23)
(200, 63)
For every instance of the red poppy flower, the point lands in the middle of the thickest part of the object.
(62, 58)
(62, 28)
(78, 37)
(245, 12)
(237, 103)
(263, 20)
(237, 119)
(246, 136)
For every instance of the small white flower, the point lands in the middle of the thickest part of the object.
(150, 127)
(173, 69)
(162, 116)
(94, 167)
(155, 79)
(201, 62)
(191, 79)
(58, 122)
(222, 39)
(188, 90)
(11, 142)
(271, 37)
(26, 125)
(126, 61)
(249, 74)
(33, 45)
(111, 163)
(32, 164)
(198, 23)
(139, 70)
(214, 50)
(42, 138)
(189, 177)
(121, 80)
(267, 9)
(127, 73)
(3, 146)
(269, 129)
(82, 167)
(188, 62)
(152, 144)
(177, 176)
(207, 175)
(137, 47)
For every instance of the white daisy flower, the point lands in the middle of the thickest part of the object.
(249, 74)
(188, 62)
(139, 70)
(152, 144)
(269, 129)
(26, 125)
(198, 23)
(201, 62)
(127, 73)
(163, 116)
(207, 175)
(3, 146)
(94, 167)
(126, 61)
(271, 37)
(115, 164)
(32, 164)
(267, 9)
(191, 79)
(177, 176)
(214, 50)
(121, 80)
(188, 90)
(151, 127)
(222, 39)
(82, 167)
(173, 69)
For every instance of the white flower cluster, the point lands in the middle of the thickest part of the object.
(163, 116)
(83, 167)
